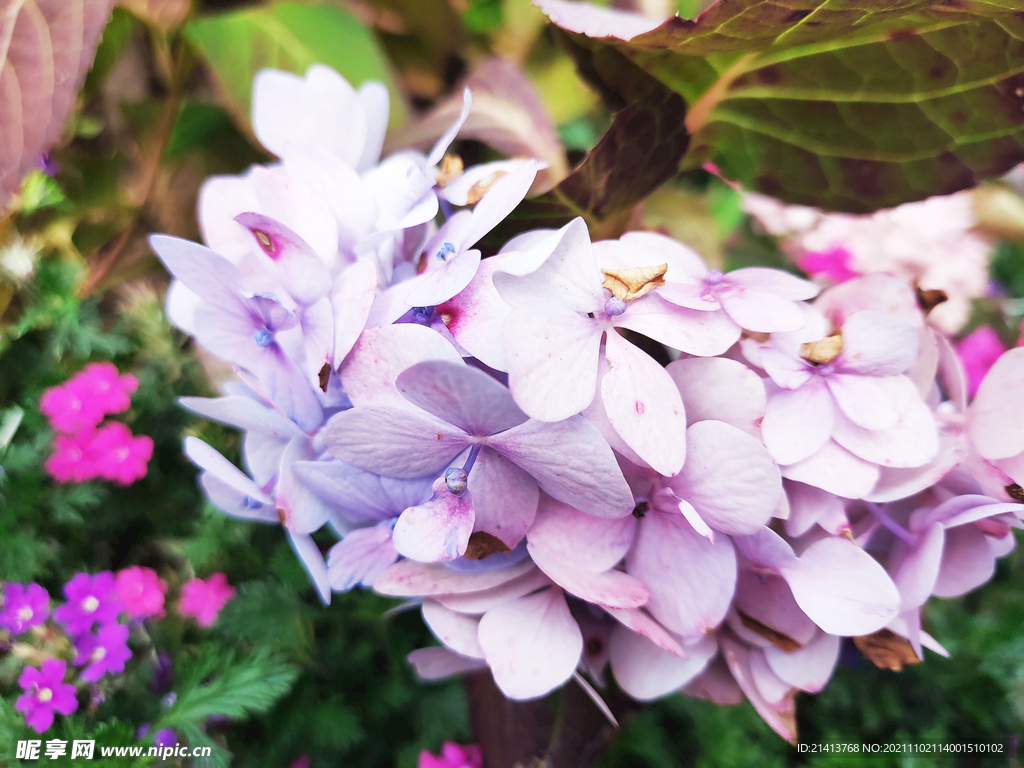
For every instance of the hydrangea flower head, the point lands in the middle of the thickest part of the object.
(203, 600)
(25, 606)
(453, 756)
(141, 591)
(45, 692)
(102, 652)
(91, 599)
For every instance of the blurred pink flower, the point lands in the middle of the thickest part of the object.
(453, 756)
(120, 456)
(833, 264)
(72, 460)
(302, 761)
(203, 599)
(978, 352)
(141, 591)
(83, 400)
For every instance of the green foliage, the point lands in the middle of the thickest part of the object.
(482, 16)
(287, 36)
(1008, 267)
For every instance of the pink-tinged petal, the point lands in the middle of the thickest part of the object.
(926, 364)
(864, 400)
(437, 663)
(303, 274)
(644, 406)
(688, 330)
(380, 354)
(1012, 467)
(221, 198)
(646, 672)
(499, 201)
(797, 422)
(842, 588)
(571, 462)
(691, 580)
(552, 355)
(613, 589)
(729, 478)
(879, 291)
(760, 311)
(180, 305)
(894, 484)
(996, 417)
(456, 630)
(397, 442)
(596, 415)
(686, 510)
(587, 542)
(476, 316)
(436, 530)
(774, 281)
(288, 389)
(967, 562)
(836, 470)
(950, 372)
(808, 668)
(532, 644)
(716, 684)
(351, 298)
(297, 206)
(596, 22)
(788, 371)
(764, 549)
(690, 295)
(559, 269)
(720, 389)
(877, 344)
(360, 558)
(505, 497)
(918, 568)
(912, 442)
(477, 603)
(638, 621)
(978, 352)
(445, 282)
(768, 684)
(781, 718)
(458, 394)
(313, 562)
(1004, 546)
(807, 505)
(201, 270)
(767, 599)
(648, 248)
(962, 509)
(210, 460)
(407, 578)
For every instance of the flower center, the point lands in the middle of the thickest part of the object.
(446, 250)
(457, 480)
(263, 337)
(90, 604)
(98, 654)
(422, 315)
(24, 614)
(713, 277)
(252, 503)
(44, 695)
(614, 306)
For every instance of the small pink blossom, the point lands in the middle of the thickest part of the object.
(453, 756)
(302, 761)
(203, 599)
(978, 352)
(68, 411)
(120, 456)
(83, 400)
(103, 652)
(141, 591)
(72, 460)
(833, 264)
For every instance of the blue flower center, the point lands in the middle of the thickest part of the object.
(447, 249)
(263, 337)
(713, 277)
(422, 315)
(614, 306)
(252, 503)
(457, 480)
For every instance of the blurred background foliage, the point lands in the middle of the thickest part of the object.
(166, 105)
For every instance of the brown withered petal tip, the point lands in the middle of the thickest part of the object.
(776, 638)
(886, 650)
(629, 284)
(824, 350)
(482, 544)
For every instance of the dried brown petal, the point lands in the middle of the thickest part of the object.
(479, 189)
(824, 350)
(450, 170)
(785, 642)
(1015, 492)
(886, 650)
(629, 284)
(930, 299)
(324, 376)
(482, 544)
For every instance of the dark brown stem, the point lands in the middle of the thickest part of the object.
(564, 730)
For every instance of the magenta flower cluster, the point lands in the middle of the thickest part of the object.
(581, 458)
(90, 618)
(83, 449)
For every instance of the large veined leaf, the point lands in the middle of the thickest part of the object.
(290, 37)
(851, 105)
(46, 48)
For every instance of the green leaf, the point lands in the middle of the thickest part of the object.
(290, 37)
(848, 106)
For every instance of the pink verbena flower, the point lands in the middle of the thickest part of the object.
(45, 691)
(72, 460)
(120, 456)
(91, 599)
(141, 591)
(203, 599)
(453, 756)
(978, 352)
(833, 264)
(25, 606)
(103, 652)
(83, 400)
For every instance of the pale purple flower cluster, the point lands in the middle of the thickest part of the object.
(493, 440)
